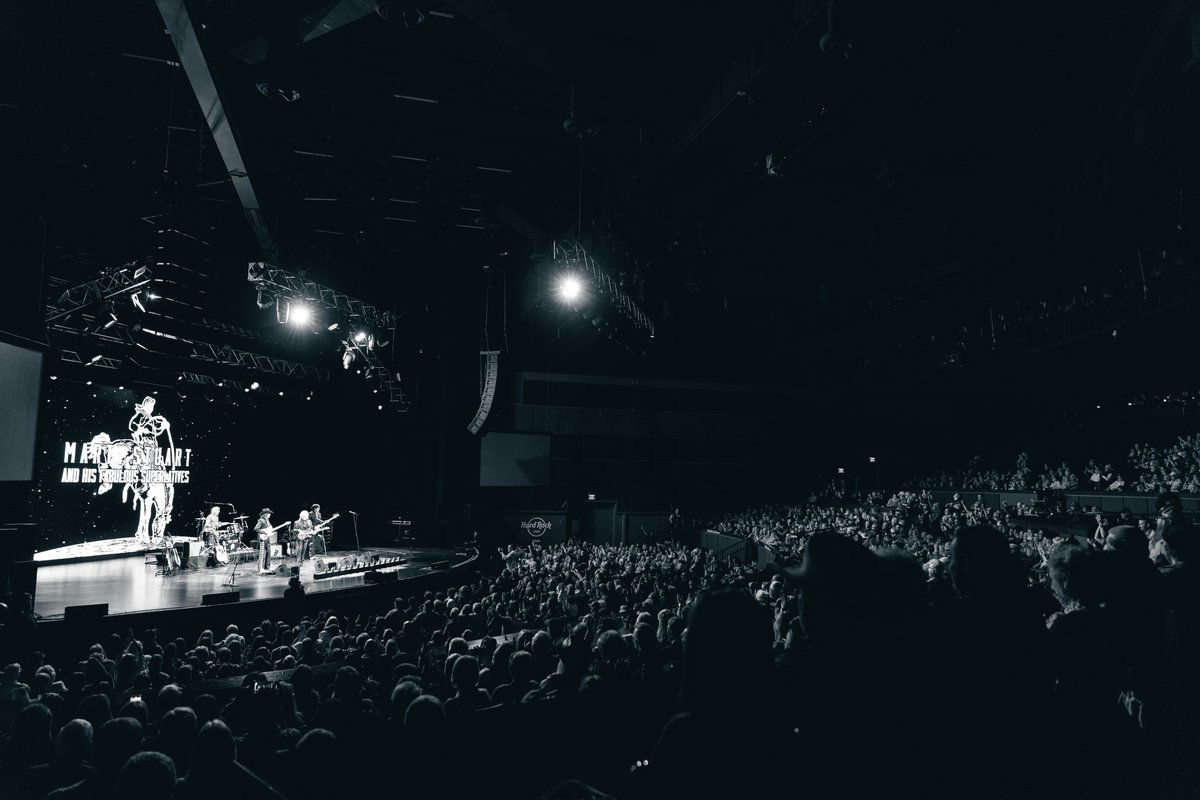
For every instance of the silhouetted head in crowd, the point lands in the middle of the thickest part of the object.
(169, 697)
(73, 745)
(1182, 543)
(1127, 542)
(31, 732)
(96, 709)
(1077, 576)
(425, 717)
(136, 709)
(347, 684)
(464, 675)
(213, 755)
(837, 580)
(146, 776)
(115, 742)
(176, 732)
(901, 581)
(404, 693)
(206, 708)
(729, 644)
(982, 565)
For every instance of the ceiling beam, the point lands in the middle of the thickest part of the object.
(191, 56)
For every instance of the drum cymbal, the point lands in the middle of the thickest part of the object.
(243, 516)
(201, 519)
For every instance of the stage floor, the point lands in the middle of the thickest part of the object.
(129, 584)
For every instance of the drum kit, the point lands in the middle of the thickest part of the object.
(227, 539)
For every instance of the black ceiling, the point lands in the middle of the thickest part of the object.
(842, 185)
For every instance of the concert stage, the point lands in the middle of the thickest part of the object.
(103, 548)
(128, 583)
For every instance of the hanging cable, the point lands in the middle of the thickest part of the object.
(170, 118)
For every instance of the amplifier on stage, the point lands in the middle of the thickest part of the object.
(185, 550)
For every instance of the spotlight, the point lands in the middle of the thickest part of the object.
(300, 314)
(151, 296)
(333, 327)
(281, 394)
(254, 384)
(89, 383)
(570, 288)
(871, 459)
(53, 377)
(360, 337)
(98, 357)
(246, 390)
(381, 408)
(120, 388)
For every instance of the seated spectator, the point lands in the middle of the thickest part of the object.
(146, 776)
(115, 742)
(72, 750)
(464, 677)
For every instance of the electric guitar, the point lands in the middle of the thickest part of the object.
(302, 535)
(265, 534)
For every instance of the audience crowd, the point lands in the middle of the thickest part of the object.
(1146, 469)
(907, 648)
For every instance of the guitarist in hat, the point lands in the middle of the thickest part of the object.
(266, 534)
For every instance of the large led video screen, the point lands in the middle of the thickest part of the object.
(20, 382)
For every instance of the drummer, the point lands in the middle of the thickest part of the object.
(212, 527)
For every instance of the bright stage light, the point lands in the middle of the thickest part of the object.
(300, 314)
(254, 384)
(333, 327)
(360, 337)
(570, 288)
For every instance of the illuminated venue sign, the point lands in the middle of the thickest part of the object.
(536, 526)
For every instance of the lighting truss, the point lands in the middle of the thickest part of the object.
(245, 333)
(375, 370)
(103, 362)
(111, 283)
(572, 255)
(247, 360)
(284, 284)
(208, 380)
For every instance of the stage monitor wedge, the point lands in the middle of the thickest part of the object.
(88, 613)
(220, 598)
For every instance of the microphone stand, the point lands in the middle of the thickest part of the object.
(357, 546)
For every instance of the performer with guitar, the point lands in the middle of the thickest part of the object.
(314, 513)
(309, 538)
(266, 536)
